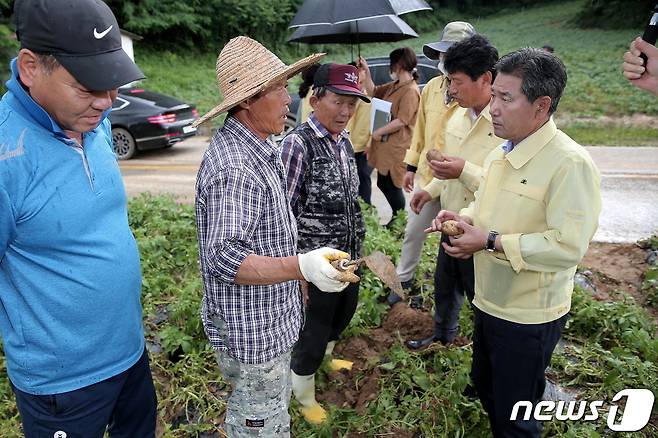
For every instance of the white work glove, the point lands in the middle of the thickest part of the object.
(316, 268)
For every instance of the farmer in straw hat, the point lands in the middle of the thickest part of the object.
(253, 277)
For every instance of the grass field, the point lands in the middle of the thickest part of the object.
(609, 346)
(593, 59)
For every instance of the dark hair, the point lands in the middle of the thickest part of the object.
(548, 48)
(307, 80)
(473, 56)
(406, 59)
(48, 62)
(541, 74)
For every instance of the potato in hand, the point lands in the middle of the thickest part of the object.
(347, 273)
(434, 154)
(451, 228)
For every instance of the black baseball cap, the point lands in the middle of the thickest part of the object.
(83, 35)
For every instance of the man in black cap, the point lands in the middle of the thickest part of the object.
(70, 311)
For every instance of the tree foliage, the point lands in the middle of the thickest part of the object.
(482, 7)
(615, 14)
(8, 44)
(205, 24)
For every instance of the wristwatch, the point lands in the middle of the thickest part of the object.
(491, 241)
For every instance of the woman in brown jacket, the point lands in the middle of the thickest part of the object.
(390, 142)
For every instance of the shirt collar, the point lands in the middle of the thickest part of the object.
(265, 148)
(322, 132)
(507, 146)
(483, 117)
(531, 145)
(485, 114)
(29, 109)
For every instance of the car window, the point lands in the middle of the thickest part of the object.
(380, 74)
(119, 103)
(425, 73)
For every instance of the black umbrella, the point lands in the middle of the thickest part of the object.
(388, 28)
(319, 12)
(384, 29)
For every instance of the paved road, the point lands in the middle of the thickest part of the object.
(629, 185)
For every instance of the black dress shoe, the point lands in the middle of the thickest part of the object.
(470, 393)
(393, 298)
(416, 302)
(415, 344)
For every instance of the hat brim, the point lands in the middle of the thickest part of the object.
(276, 76)
(433, 50)
(347, 91)
(105, 71)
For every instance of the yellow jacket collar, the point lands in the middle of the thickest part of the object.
(486, 114)
(531, 145)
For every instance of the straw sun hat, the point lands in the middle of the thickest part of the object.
(245, 68)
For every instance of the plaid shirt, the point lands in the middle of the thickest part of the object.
(293, 152)
(242, 209)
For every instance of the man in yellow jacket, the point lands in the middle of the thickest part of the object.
(469, 137)
(428, 135)
(533, 217)
(359, 130)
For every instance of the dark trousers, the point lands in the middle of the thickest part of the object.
(327, 315)
(509, 361)
(364, 171)
(124, 404)
(452, 279)
(393, 194)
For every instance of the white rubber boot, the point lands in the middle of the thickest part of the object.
(330, 348)
(304, 389)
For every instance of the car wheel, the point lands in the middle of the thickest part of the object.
(124, 144)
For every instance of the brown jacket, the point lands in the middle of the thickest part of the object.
(388, 156)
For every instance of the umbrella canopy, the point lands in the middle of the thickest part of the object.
(388, 28)
(325, 12)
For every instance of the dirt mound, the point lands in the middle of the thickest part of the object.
(401, 323)
(356, 388)
(618, 267)
(408, 323)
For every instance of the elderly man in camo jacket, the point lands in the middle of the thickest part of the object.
(323, 188)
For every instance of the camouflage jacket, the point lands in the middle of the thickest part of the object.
(327, 208)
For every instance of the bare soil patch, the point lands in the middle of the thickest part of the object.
(614, 269)
(618, 268)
